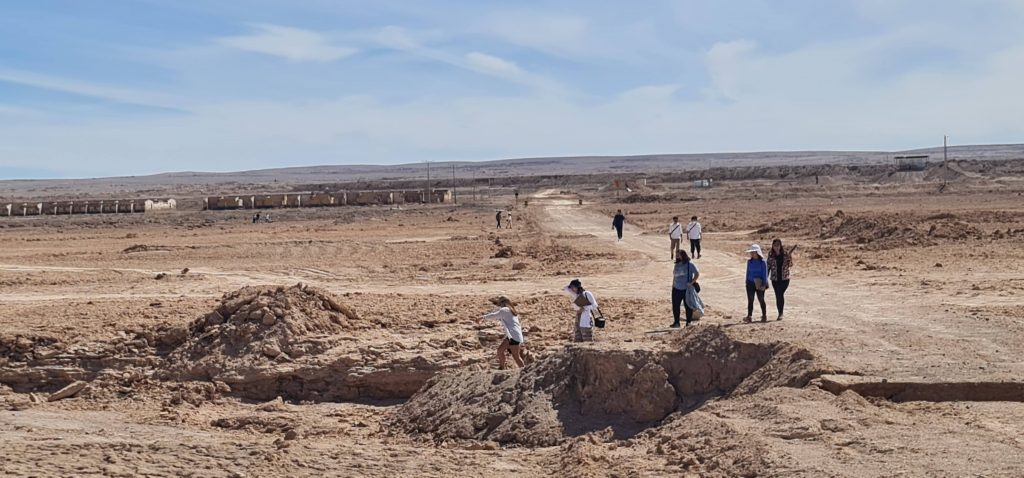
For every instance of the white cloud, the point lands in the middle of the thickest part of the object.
(558, 35)
(400, 39)
(492, 65)
(293, 44)
(92, 90)
(725, 61)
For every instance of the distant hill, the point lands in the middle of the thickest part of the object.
(207, 182)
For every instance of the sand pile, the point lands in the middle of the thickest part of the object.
(296, 343)
(887, 232)
(584, 389)
(256, 326)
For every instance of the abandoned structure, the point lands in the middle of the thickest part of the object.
(96, 206)
(323, 199)
(917, 162)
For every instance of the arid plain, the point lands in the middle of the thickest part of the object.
(347, 342)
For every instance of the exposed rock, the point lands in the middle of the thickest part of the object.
(68, 391)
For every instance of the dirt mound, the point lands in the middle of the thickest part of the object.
(583, 389)
(874, 233)
(255, 325)
(296, 343)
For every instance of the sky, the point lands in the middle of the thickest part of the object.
(94, 88)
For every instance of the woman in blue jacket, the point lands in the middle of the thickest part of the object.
(757, 282)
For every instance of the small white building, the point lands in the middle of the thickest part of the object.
(158, 205)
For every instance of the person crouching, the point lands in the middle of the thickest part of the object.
(507, 315)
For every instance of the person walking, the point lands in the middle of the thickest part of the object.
(618, 222)
(675, 234)
(512, 344)
(497, 217)
(684, 277)
(780, 261)
(693, 233)
(585, 304)
(508, 219)
(757, 282)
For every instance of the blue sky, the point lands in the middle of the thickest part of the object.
(119, 87)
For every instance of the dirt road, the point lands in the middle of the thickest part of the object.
(858, 326)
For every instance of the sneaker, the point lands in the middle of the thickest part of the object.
(748, 319)
(780, 317)
(764, 319)
(689, 324)
(674, 326)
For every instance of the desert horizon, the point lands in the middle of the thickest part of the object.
(299, 238)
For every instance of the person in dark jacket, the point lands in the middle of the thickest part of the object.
(618, 222)
(780, 261)
(757, 282)
(497, 217)
(684, 276)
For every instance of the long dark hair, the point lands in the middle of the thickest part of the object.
(782, 249)
(682, 256)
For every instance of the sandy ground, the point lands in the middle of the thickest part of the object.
(900, 287)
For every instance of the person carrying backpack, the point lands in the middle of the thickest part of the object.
(694, 234)
(675, 234)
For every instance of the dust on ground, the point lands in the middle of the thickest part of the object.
(348, 341)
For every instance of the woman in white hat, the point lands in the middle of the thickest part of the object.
(506, 313)
(757, 282)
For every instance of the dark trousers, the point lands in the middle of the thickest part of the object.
(751, 291)
(780, 287)
(618, 230)
(694, 247)
(679, 299)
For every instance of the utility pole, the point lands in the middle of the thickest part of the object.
(455, 190)
(945, 155)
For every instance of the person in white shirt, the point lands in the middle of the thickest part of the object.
(675, 234)
(508, 219)
(584, 323)
(693, 232)
(507, 315)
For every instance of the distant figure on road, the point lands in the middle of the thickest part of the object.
(256, 218)
(507, 315)
(693, 232)
(584, 302)
(497, 217)
(508, 219)
(780, 261)
(757, 282)
(618, 222)
(684, 278)
(675, 234)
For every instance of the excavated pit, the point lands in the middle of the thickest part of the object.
(908, 391)
(586, 389)
(296, 343)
